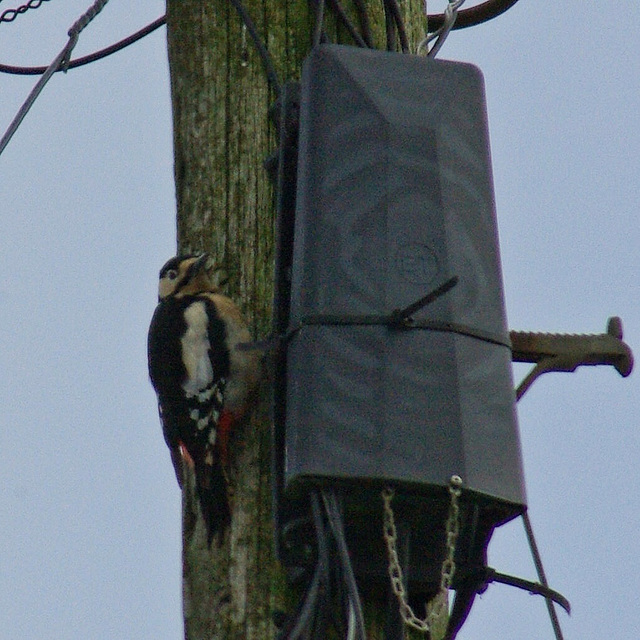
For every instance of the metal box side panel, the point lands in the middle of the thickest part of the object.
(394, 197)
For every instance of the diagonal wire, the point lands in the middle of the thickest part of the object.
(61, 61)
(537, 561)
(35, 92)
(267, 62)
(365, 25)
(343, 18)
(318, 23)
(391, 6)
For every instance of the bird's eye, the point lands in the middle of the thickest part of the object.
(172, 274)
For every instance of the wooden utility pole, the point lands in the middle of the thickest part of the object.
(222, 136)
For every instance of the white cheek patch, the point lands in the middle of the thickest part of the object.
(195, 350)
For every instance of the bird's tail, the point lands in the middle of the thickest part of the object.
(211, 486)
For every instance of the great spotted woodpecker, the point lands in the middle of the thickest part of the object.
(204, 383)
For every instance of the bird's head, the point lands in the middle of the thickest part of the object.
(184, 275)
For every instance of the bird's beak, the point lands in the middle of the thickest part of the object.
(199, 264)
(195, 268)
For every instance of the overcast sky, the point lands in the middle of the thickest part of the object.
(89, 506)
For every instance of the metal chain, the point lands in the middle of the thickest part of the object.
(11, 14)
(447, 570)
(452, 529)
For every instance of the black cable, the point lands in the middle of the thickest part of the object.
(346, 23)
(335, 522)
(474, 15)
(394, 10)
(267, 63)
(304, 622)
(322, 613)
(534, 588)
(390, 29)
(365, 26)
(318, 23)
(92, 57)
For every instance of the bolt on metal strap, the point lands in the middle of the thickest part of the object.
(438, 611)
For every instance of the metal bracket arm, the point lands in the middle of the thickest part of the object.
(566, 352)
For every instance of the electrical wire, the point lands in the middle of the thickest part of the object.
(335, 522)
(351, 623)
(365, 26)
(267, 62)
(269, 68)
(61, 61)
(92, 57)
(318, 23)
(390, 30)
(343, 18)
(474, 15)
(392, 9)
(304, 622)
(466, 18)
(35, 92)
(440, 34)
(537, 561)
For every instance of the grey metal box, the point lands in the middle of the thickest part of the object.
(394, 197)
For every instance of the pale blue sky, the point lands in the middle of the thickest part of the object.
(89, 507)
